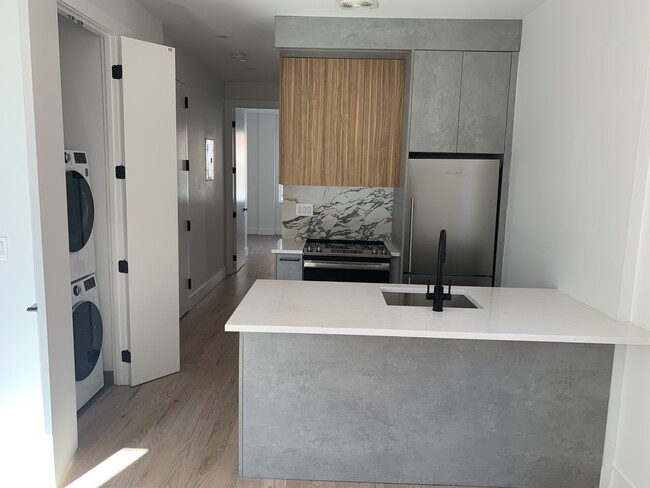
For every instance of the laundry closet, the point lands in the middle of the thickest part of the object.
(121, 186)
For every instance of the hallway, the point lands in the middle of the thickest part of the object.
(188, 420)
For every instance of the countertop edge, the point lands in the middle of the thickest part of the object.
(418, 334)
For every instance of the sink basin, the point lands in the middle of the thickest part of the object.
(415, 299)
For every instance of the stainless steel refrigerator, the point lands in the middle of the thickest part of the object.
(461, 196)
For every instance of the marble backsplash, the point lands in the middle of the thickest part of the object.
(339, 213)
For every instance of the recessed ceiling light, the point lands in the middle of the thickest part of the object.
(358, 4)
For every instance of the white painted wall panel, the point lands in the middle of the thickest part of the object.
(578, 182)
(576, 131)
(149, 98)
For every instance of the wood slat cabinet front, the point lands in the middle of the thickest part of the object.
(341, 121)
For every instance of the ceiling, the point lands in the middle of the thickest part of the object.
(212, 30)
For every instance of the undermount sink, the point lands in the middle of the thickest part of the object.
(418, 299)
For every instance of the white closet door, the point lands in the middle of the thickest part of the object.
(149, 96)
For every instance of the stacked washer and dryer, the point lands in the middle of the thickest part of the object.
(88, 330)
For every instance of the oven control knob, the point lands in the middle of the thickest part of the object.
(374, 251)
(318, 249)
(308, 248)
(383, 251)
(76, 290)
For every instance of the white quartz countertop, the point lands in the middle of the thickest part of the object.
(288, 246)
(506, 314)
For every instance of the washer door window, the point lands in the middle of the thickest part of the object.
(88, 333)
(81, 210)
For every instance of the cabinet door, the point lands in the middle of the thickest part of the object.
(484, 102)
(434, 101)
(288, 267)
(302, 110)
(341, 121)
(382, 122)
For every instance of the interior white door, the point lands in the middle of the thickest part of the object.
(241, 198)
(183, 200)
(149, 111)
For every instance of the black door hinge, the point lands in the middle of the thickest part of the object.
(234, 257)
(234, 215)
(189, 283)
(234, 170)
(116, 71)
(120, 172)
(233, 124)
(126, 356)
(187, 102)
(188, 225)
(123, 266)
(186, 164)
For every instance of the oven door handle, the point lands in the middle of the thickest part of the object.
(308, 263)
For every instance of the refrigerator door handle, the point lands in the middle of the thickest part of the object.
(411, 235)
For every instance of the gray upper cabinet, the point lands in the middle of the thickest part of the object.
(459, 101)
(484, 102)
(434, 107)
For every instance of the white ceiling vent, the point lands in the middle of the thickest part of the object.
(358, 4)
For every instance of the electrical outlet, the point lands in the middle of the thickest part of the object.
(3, 249)
(304, 209)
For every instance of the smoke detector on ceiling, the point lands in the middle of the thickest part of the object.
(358, 4)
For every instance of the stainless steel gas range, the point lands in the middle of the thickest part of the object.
(343, 260)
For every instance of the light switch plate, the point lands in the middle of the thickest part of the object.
(304, 209)
(3, 249)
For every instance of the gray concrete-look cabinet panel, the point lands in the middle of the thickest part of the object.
(423, 411)
(402, 34)
(435, 99)
(288, 266)
(484, 102)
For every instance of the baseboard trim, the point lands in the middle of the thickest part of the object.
(611, 477)
(200, 293)
(265, 232)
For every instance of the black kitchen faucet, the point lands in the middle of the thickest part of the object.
(439, 296)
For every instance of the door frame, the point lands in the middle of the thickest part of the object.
(114, 152)
(229, 157)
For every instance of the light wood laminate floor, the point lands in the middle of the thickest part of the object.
(187, 420)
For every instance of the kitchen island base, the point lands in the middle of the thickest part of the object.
(423, 411)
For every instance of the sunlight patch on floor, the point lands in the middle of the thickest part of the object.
(109, 468)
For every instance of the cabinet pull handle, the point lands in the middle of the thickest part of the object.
(289, 259)
(411, 234)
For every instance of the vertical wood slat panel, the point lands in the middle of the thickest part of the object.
(341, 121)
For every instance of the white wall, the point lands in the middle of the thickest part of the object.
(580, 93)
(206, 198)
(120, 17)
(252, 91)
(264, 211)
(579, 180)
(37, 269)
(22, 408)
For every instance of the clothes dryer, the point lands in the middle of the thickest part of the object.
(81, 214)
(88, 334)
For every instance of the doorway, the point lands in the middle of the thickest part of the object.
(257, 194)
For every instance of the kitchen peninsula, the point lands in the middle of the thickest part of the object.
(337, 385)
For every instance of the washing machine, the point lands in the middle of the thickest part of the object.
(88, 333)
(81, 215)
